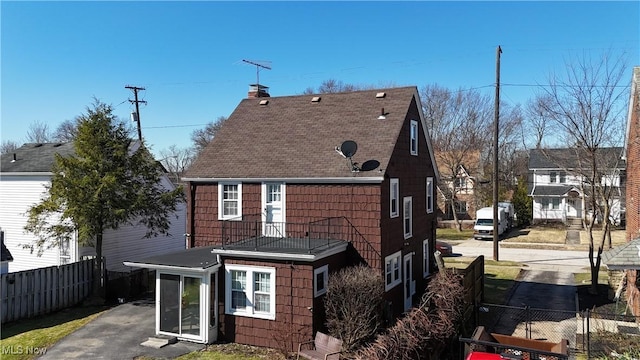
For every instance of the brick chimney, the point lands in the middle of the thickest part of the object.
(257, 91)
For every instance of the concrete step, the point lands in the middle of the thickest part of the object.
(159, 341)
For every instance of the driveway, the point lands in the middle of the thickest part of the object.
(117, 335)
(545, 285)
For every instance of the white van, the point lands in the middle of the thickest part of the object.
(483, 228)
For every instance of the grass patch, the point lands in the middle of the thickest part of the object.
(537, 235)
(453, 234)
(618, 237)
(21, 338)
(499, 277)
(233, 351)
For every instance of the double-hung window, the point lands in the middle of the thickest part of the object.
(394, 193)
(429, 195)
(229, 201)
(392, 270)
(250, 291)
(425, 258)
(414, 137)
(408, 217)
(555, 203)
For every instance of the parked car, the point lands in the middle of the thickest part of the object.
(444, 248)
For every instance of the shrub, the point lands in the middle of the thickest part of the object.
(353, 305)
(425, 331)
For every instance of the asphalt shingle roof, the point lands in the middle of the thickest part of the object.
(294, 137)
(623, 257)
(567, 158)
(34, 157)
(551, 190)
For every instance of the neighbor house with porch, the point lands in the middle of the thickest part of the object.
(290, 190)
(559, 186)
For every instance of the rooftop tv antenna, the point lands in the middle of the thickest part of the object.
(259, 64)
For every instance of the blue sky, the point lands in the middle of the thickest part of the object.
(57, 56)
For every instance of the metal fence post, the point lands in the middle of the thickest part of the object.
(588, 335)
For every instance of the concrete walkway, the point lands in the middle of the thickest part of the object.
(117, 335)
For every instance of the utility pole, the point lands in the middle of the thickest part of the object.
(496, 128)
(135, 90)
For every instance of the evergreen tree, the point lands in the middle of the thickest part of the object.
(522, 203)
(110, 181)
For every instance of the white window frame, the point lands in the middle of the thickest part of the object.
(392, 270)
(221, 215)
(324, 271)
(429, 195)
(555, 203)
(407, 215)
(249, 311)
(413, 137)
(394, 195)
(426, 256)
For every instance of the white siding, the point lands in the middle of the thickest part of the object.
(17, 194)
(541, 177)
(128, 243)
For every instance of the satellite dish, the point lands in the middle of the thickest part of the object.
(348, 148)
(370, 165)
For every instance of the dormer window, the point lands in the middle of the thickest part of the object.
(414, 138)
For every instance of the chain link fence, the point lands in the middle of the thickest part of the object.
(590, 333)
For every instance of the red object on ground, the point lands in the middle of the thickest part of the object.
(478, 355)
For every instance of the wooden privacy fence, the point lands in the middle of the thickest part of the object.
(40, 291)
(473, 282)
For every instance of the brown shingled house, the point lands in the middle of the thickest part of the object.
(290, 190)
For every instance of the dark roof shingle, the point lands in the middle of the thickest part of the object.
(293, 137)
(34, 157)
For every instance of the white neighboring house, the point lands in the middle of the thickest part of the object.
(559, 192)
(24, 174)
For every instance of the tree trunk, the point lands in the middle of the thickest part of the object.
(99, 277)
(633, 293)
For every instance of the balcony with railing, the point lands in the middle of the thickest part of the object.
(251, 233)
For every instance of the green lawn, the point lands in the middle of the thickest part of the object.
(453, 234)
(499, 277)
(29, 338)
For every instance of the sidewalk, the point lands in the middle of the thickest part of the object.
(117, 334)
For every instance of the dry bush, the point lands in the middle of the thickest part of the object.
(425, 331)
(353, 305)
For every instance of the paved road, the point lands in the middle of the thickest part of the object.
(533, 259)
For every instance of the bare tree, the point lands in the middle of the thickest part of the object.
(39, 132)
(8, 146)
(66, 131)
(460, 127)
(176, 160)
(538, 120)
(202, 137)
(335, 86)
(587, 105)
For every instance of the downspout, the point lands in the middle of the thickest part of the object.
(191, 215)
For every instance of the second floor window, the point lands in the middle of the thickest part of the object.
(394, 193)
(408, 221)
(229, 201)
(552, 177)
(429, 195)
